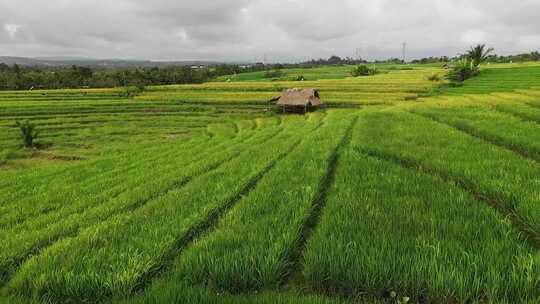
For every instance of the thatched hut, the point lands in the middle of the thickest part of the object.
(299, 100)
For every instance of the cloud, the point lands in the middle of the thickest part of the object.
(248, 29)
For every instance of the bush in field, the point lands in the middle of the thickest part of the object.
(434, 77)
(364, 70)
(463, 70)
(468, 66)
(132, 91)
(28, 133)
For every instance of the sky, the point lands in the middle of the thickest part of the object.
(251, 30)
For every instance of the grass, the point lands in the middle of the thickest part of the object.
(400, 188)
(436, 246)
(76, 210)
(123, 235)
(496, 172)
(180, 293)
(254, 245)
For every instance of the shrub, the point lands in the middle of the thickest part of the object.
(132, 91)
(463, 70)
(434, 77)
(364, 70)
(411, 97)
(28, 133)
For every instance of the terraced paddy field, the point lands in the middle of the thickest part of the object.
(391, 86)
(174, 197)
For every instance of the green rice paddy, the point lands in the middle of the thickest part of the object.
(400, 189)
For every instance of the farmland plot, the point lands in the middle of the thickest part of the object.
(435, 240)
(203, 194)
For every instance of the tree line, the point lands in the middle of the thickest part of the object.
(17, 77)
(491, 58)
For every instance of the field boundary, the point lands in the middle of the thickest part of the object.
(519, 115)
(490, 139)
(316, 208)
(528, 232)
(533, 105)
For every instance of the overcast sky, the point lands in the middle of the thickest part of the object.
(245, 30)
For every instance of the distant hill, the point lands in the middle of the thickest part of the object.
(96, 63)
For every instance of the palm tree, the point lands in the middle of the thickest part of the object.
(479, 54)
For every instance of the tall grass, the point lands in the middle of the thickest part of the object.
(394, 229)
(255, 245)
(135, 245)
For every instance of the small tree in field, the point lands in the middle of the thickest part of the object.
(132, 91)
(468, 66)
(479, 54)
(463, 70)
(28, 133)
(364, 70)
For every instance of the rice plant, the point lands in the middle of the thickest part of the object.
(196, 193)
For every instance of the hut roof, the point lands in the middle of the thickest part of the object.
(300, 97)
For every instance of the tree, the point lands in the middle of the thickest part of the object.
(16, 69)
(463, 70)
(334, 60)
(363, 70)
(479, 54)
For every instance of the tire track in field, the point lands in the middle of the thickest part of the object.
(317, 208)
(529, 233)
(209, 224)
(7, 272)
(490, 139)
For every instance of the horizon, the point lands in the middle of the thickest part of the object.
(76, 58)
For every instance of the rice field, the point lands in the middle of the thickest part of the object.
(387, 88)
(400, 190)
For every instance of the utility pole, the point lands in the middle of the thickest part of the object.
(358, 54)
(404, 53)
